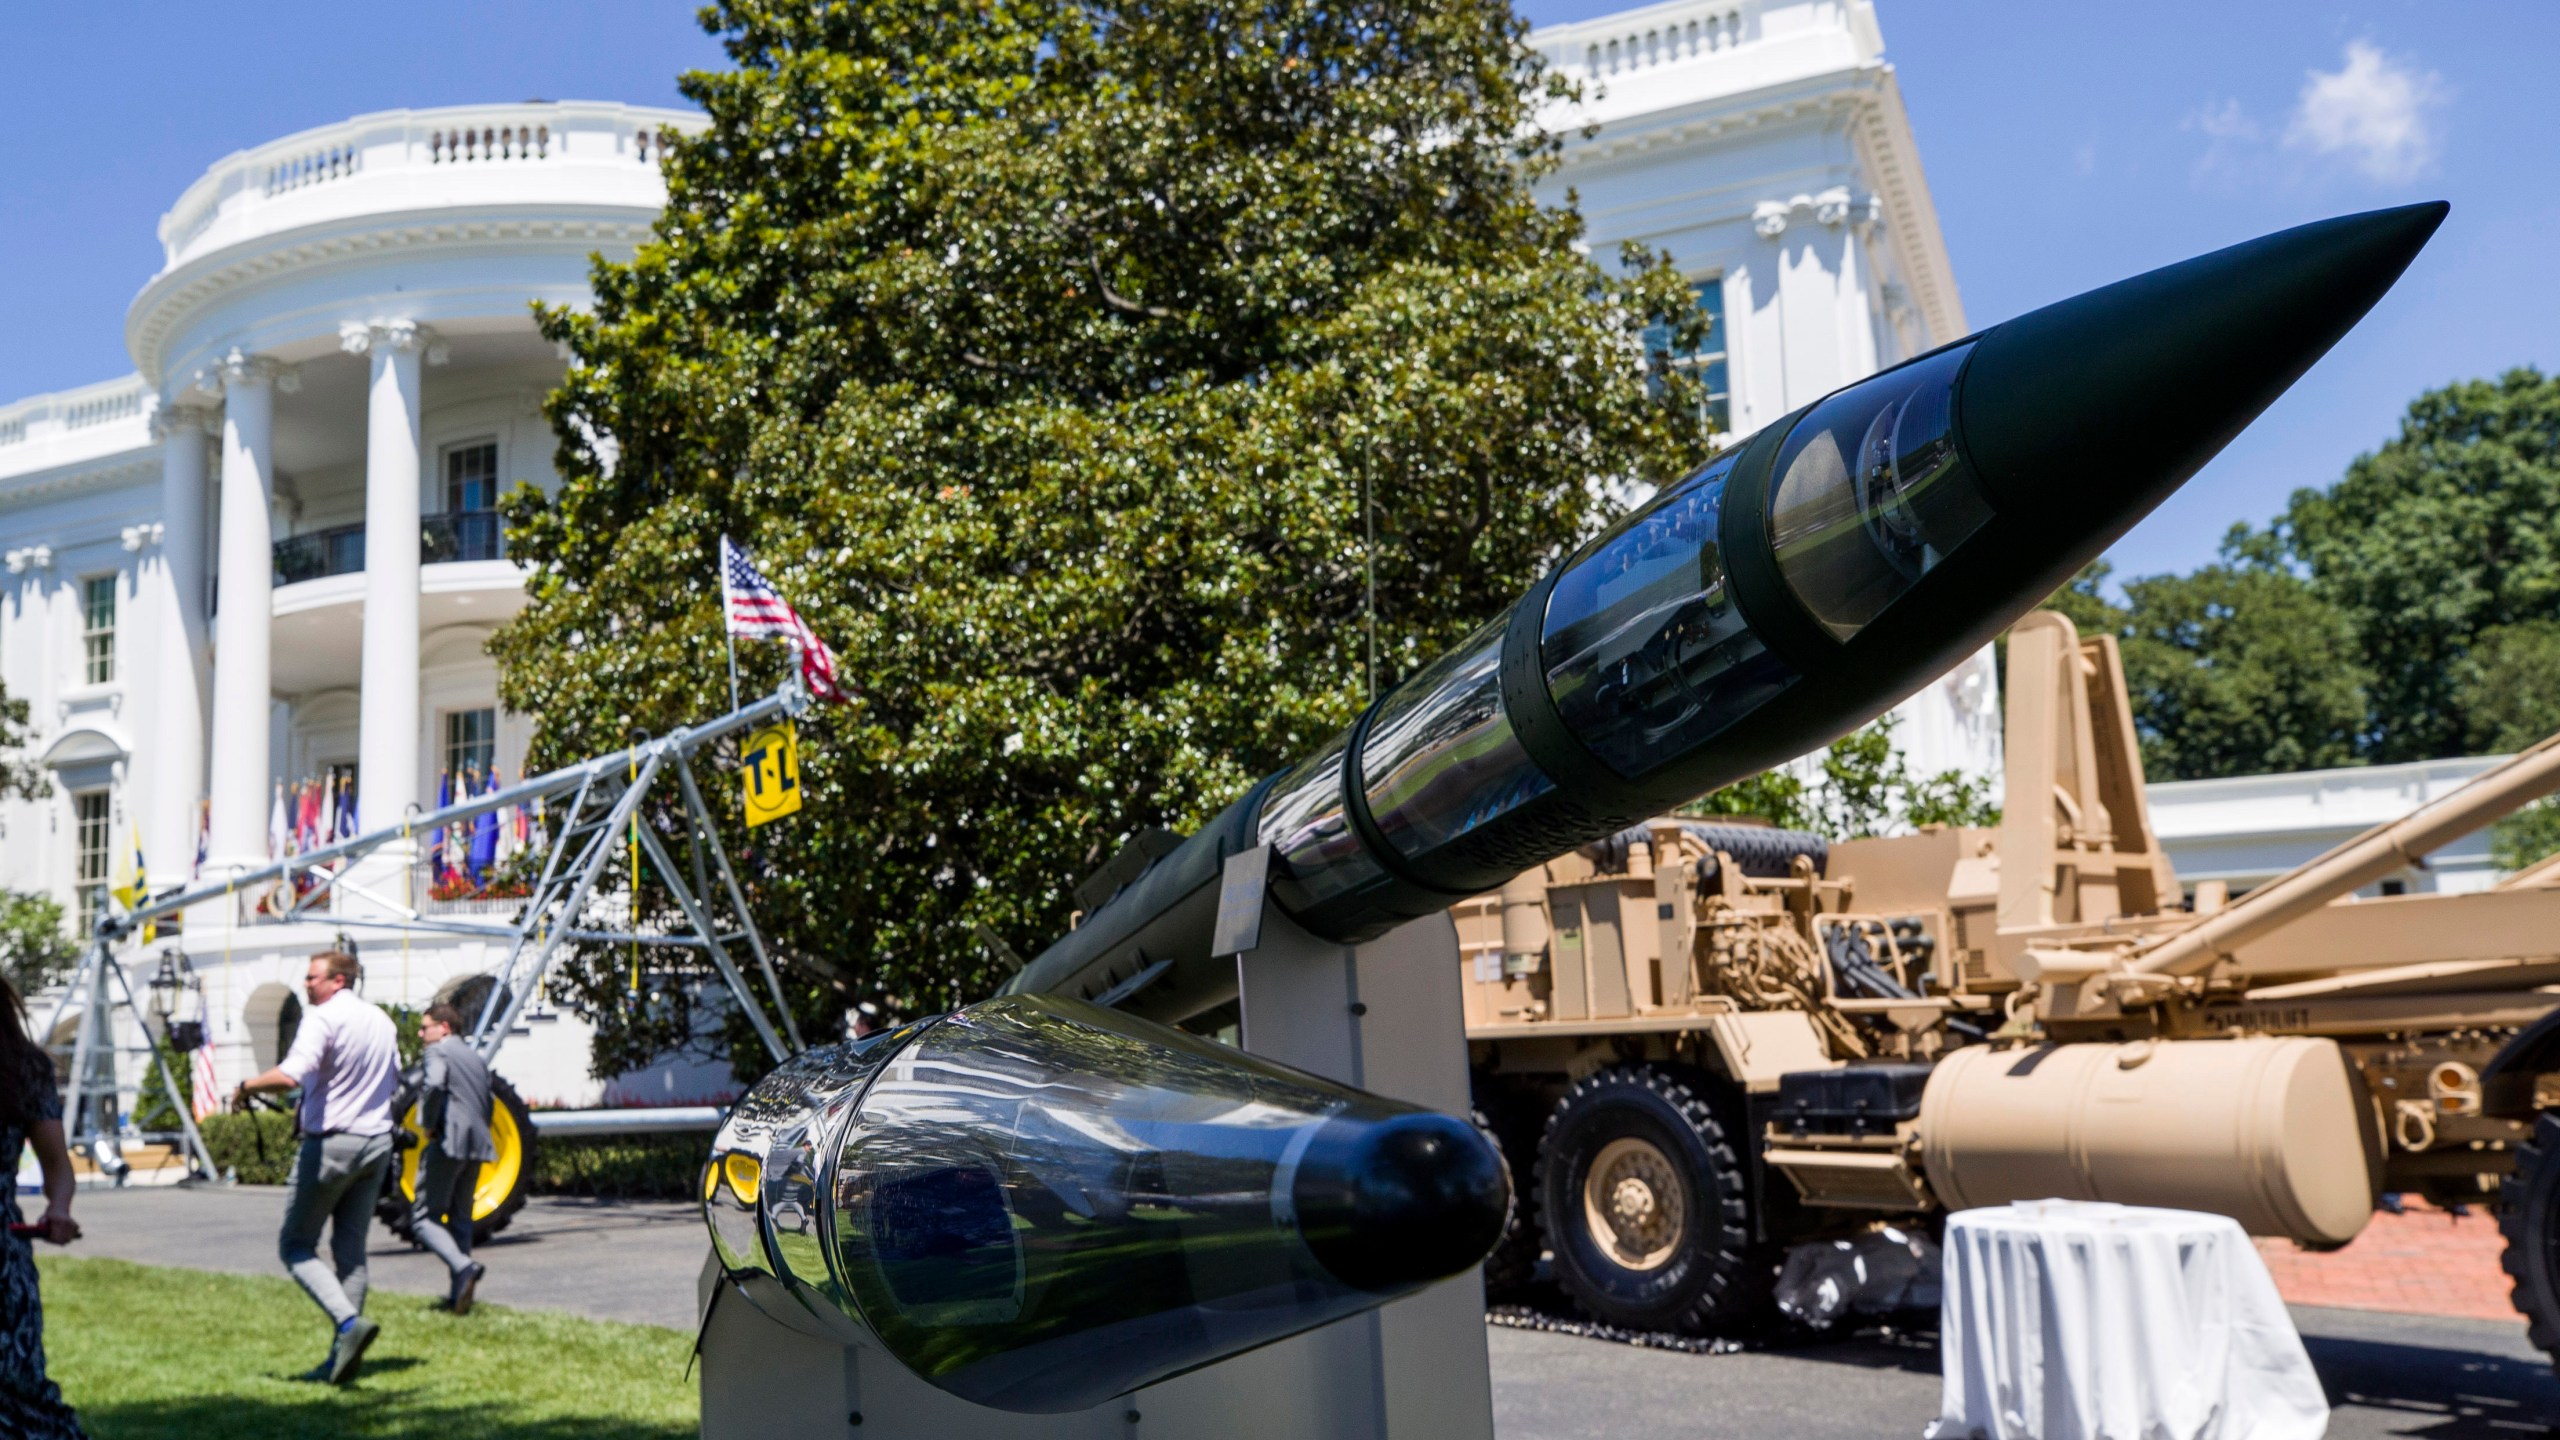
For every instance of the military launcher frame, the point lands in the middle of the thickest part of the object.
(1710, 1042)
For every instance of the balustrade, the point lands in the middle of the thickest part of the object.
(1591, 51)
(489, 142)
(443, 539)
(329, 162)
(338, 550)
(377, 147)
(463, 535)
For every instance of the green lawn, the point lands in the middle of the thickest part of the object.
(144, 1351)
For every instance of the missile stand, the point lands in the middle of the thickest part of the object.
(1384, 1017)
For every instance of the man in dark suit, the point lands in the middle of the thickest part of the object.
(453, 1111)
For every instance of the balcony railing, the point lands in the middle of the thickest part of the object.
(335, 551)
(463, 535)
(339, 550)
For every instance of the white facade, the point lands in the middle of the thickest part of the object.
(1763, 146)
(2249, 829)
(336, 366)
(280, 526)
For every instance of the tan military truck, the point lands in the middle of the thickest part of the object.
(1702, 1044)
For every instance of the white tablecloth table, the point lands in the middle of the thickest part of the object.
(2068, 1320)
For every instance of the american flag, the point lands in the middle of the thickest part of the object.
(757, 611)
(208, 1088)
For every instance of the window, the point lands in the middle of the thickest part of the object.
(1707, 362)
(469, 528)
(98, 629)
(470, 752)
(89, 877)
(471, 478)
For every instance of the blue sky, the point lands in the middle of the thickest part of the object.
(2067, 145)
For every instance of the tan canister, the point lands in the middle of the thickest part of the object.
(2270, 1131)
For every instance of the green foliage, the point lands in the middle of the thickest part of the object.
(404, 1027)
(621, 1167)
(2509, 686)
(2240, 668)
(2431, 543)
(1866, 789)
(2526, 837)
(147, 1353)
(20, 777)
(256, 1144)
(1057, 360)
(2411, 610)
(36, 948)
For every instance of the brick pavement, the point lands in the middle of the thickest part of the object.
(2424, 1262)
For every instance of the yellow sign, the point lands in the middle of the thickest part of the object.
(772, 758)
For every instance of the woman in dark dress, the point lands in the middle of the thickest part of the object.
(30, 1113)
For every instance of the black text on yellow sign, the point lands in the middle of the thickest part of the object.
(772, 760)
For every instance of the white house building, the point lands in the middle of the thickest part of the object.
(2247, 830)
(266, 564)
(260, 571)
(1763, 146)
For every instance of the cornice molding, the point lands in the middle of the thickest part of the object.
(170, 420)
(75, 479)
(395, 336)
(166, 301)
(1625, 135)
(1867, 102)
(1831, 208)
(238, 371)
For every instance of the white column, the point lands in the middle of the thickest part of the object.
(387, 716)
(174, 598)
(242, 693)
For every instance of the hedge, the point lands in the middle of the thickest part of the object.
(611, 1167)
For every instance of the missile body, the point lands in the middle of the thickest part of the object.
(1791, 590)
(1037, 1204)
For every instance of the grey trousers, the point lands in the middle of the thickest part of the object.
(335, 1182)
(441, 1215)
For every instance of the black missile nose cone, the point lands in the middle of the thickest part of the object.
(2106, 402)
(1402, 1201)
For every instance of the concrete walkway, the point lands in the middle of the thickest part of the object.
(613, 1260)
(2389, 1375)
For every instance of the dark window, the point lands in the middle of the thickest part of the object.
(470, 750)
(89, 873)
(1707, 360)
(98, 629)
(471, 477)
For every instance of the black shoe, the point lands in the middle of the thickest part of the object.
(465, 1281)
(346, 1356)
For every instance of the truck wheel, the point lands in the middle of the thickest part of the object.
(1645, 1207)
(1514, 1260)
(2529, 1216)
(504, 1182)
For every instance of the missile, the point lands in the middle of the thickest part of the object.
(1789, 591)
(1037, 1204)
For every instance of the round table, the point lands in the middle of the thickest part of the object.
(2072, 1320)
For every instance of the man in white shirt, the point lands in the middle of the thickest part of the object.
(346, 1061)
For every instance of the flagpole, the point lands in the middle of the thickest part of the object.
(732, 637)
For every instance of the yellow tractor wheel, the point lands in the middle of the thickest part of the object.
(504, 1182)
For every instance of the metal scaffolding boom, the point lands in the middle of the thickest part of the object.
(603, 814)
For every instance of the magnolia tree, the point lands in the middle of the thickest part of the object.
(1123, 390)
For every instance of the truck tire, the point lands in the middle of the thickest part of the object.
(504, 1182)
(2529, 1217)
(1508, 1270)
(1646, 1207)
